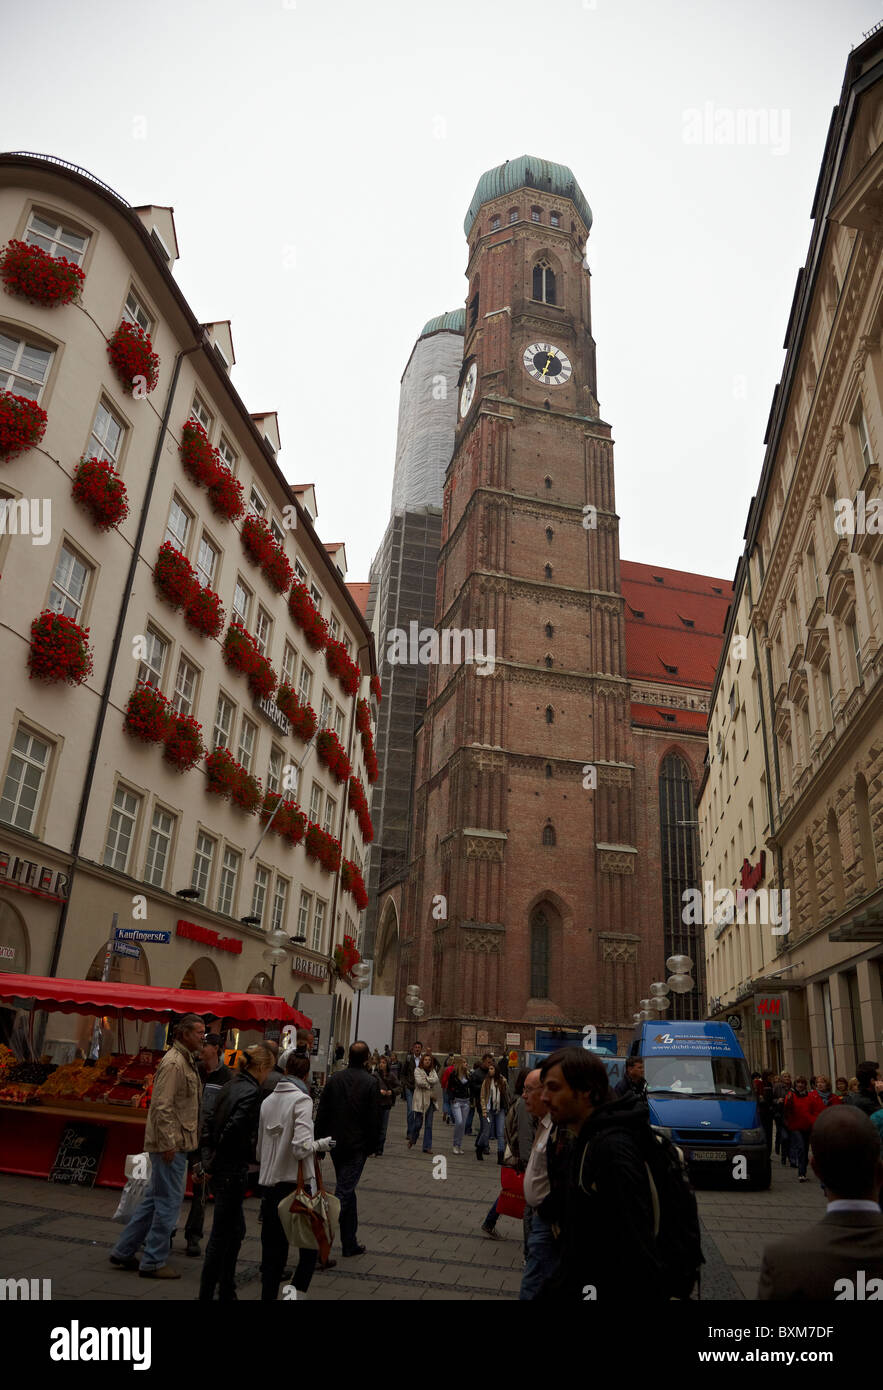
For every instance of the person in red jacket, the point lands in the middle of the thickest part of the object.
(823, 1094)
(801, 1109)
(447, 1111)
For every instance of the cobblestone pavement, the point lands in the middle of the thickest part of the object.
(422, 1234)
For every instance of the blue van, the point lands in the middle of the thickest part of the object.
(701, 1096)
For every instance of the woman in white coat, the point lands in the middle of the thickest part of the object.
(427, 1098)
(285, 1138)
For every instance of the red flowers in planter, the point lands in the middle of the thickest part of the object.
(263, 549)
(346, 955)
(307, 616)
(174, 576)
(331, 751)
(277, 571)
(22, 424)
(198, 459)
(59, 649)
(375, 688)
(301, 717)
(340, 665)
(184, 746)
(242, 654)
(363, 717)
(289, 822)
(359, 803)
(228, 778)
(35, 275)
(147, 714)
(322, 847)
(226, 494)
(351, 879)
(247, 792)
(204, 613)
(370, 756)
(98, 487)
(132, 357)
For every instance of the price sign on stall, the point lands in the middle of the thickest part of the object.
(79, 1155)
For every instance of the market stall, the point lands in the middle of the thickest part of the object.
(77, 1122)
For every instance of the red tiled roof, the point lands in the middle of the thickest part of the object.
(360, 596)
(652, 717)
(661, 637)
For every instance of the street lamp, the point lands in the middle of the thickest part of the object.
(276, 953)
(360, 977)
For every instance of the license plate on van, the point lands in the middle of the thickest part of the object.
(709, 1155)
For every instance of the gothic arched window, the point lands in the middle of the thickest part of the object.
(548, 661)
(548, 571)
(548, 834)
(548, 769)
(549, 630)
(550, 715)
(544, 283)
(539, 955)
(550, 534)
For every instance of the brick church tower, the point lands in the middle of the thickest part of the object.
(519, 911)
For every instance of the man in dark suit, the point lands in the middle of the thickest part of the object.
(349, 1112)
(842, 1253)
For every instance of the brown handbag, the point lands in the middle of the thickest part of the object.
(310, 1222)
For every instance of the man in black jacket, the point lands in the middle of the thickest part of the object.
(477, 1078)
(215, 1074)
(867, 1097)
(349, 1112)
(633, 1081)
(601, 1194)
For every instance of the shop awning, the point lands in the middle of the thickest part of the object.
(147, 1002)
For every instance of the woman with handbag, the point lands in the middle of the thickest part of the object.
(286, 1148)
(426, 1099)
(227, 1150)
(494, 1100)
(389, 1089)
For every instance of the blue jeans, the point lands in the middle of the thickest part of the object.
(446, 1106)
(491, 1219)
(461, 1108)
(408, 1098)
(384, 1126)
(469, 1119)
(492, 1125)
(416, 1123)
(543, 1255)
(800, 1150)
(348, 1170)
(152, 1223)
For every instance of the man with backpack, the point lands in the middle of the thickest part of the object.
(627, 1215)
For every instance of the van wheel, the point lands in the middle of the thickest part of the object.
(762, 1179)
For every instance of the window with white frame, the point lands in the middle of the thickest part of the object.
(159, 847)
(227, 453)
(338, 722)
(315, 802)
(303, 914)
(203, 860)
(293, 774)
(247, 736)
(256, 503)
(106, 438)
(325, 711)
(206, 563)
(28, 764)
(289, 660)
(555, 219)
(200, 411)
(178, 528)
(856, 652)
(227, 885)
(305, 683)
(69, 584)
(316, 596)
(262, 630)
(280, 902)
(274, 769)
(151, 668)
(223, 722)
(347, 645)
(185, 686)
(318, 940)
(334, 627)
(121, 830)
(864, 439)
(136, 313)
(241, 603)
(330, 808)
(300, 571)
(277, 533)
(259, 895)
(24, 367)
(53, 236)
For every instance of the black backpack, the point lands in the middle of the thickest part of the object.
(676, 1217)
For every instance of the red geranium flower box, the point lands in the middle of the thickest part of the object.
(35, 275)
(277, 571)
(59, 649)
(363, 717)
(351, 879)
(226, 494)
(98, 487)
(359, 803)
(134, 361)
(306, 615)
(198, 459)
(223, 772)
(174, 576)
(262, 679)
(289, 821)
(346, 955)
(375, 688)
(340, 665)
(257, 539)
(183, 741)
(242, 654)
(204, 612)
(301, 717)
(147, 714)
(247, 792)
(322, 847)
(332, 753)
(22, 424)
(370, 757)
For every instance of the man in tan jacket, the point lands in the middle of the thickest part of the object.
(172, 1132)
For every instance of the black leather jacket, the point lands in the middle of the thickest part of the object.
(349, 1112)
(228, 1139)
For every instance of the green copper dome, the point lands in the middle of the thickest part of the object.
(528, 172)
(452, 322)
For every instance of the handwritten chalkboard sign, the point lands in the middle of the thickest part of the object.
(79, 1155)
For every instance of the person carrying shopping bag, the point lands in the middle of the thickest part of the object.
(426, 1099)
(286, 1144)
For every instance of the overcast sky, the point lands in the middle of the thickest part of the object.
(320, 156)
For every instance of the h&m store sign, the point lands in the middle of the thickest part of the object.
(28, 876)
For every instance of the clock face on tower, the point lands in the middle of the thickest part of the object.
(468, 391)
(547, 364)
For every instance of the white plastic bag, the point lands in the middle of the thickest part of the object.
(137, 1170)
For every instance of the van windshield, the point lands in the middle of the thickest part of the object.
(698, 1076)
